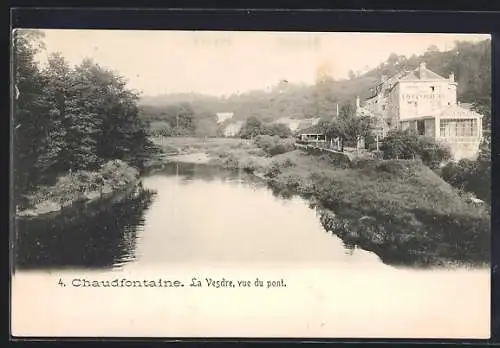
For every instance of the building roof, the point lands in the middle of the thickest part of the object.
(457, 111)
(418, 74)
(468, 106)
(306, 123)
(316, 129)
(421, 73)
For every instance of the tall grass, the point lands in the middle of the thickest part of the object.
(83, 185)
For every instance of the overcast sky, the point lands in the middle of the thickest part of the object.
(218, 63)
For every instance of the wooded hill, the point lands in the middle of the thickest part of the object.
(470, 62)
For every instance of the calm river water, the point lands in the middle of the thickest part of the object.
(204, 223)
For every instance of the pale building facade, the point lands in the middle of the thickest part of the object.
(223, 116)
(425, 102)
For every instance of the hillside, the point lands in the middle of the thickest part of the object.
(470, 62)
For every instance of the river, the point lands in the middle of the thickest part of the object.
(206, 223)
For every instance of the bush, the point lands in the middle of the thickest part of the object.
(470, 176)
(231, 162)
(432, 153)
(408, 145)
(274, 145)
(288, 163)
(281, 130)
(249, 166)
(273, 170)
(257, 152)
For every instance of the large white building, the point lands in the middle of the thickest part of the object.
(427, 103)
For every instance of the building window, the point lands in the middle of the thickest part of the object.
(459, 128)
(420, 125)
(432, 88)
(474, 128)
(429, 128)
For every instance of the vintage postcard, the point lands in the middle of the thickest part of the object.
(250, 184)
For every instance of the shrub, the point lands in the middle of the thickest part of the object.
(406, 144)
(281, 130)
(250, 166)
(294, 181)
(273, 170)
(231, 162)
(288, 163)
(274, 145)
(471, 176)
(257, 152)
(432, 153)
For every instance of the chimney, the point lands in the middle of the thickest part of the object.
(452, 77)
(422, 67)
(357, 102)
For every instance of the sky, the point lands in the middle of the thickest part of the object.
(227, 62)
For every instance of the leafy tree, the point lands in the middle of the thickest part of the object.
(281, 130)
(432, 153)
(432, 49)
(251, 128)
(349, 127)
(399, 144)
(69, 119)
(470, 176)
(206, 126)
(57, 89)
(406, 144)
(29, 123)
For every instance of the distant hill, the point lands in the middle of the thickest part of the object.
(470, 62)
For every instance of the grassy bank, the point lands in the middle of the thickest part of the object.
(79, 186)
(228, 153)
(401, 210)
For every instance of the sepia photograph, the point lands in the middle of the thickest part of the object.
(250, 184)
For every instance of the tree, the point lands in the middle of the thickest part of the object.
(407, 144)
(251, 128)
(470, 176)
(432, 49)
(400, 144)
(483, 106)
(432, 153)
(57, 95)
(281, 130)
(68, 119)
(206, 126)
(30, 124)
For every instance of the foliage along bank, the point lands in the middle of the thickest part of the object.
(69, 120)
(399, 209)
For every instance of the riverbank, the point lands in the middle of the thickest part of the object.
(400, 210)
(80, 187)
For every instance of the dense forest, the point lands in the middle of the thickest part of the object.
(470, 62)
(67, 119)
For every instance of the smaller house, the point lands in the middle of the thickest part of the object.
(233, 129)
(312, 134)
(223, 116)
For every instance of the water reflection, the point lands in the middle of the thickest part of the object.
(104, 240)
(206, 214)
